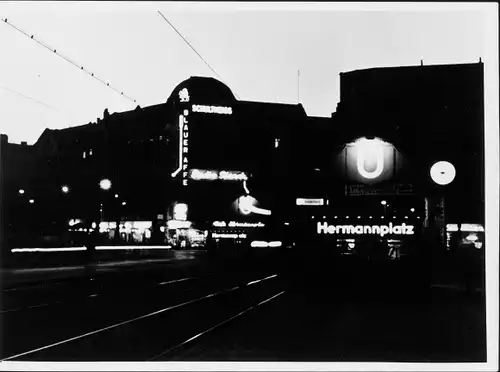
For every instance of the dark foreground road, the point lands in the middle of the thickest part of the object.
(254, 309)
(295, 328)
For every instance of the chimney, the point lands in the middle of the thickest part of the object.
(4, 138)
(23, 143)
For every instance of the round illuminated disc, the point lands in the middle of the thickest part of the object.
(105, 184)
(443, 172)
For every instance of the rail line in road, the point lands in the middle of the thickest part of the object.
(85, 295)
(215, 326)
(247, 283)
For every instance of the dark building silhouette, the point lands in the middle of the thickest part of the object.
(431, 113)
(155, 156)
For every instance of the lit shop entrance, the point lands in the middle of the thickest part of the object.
(360, 226)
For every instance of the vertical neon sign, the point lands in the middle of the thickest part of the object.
(183, 140)
(184, 133)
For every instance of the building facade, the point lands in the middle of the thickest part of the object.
(206, 167)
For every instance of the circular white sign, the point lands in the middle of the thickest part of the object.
(443, 172)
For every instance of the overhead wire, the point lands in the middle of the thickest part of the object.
(80, 67)
(31, 98)
(193, 48)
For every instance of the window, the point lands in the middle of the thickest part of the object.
(84, 154)
(276, 142)
(90, 152)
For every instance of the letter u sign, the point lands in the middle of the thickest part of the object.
(370, 150)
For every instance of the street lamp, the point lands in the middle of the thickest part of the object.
(65, 189)
(412, 209)
(105, 184)
(442, 173)
(21, 191)
(384, 203)
(32, 201)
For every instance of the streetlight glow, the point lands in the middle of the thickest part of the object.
(21, 191)
(412, 209)
(383, 202)
(32, 201)
(105, 184)
(65, 189)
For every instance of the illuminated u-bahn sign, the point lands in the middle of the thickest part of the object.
(369, 152)
(390, 229)
(369, 161)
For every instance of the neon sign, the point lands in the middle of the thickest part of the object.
(184, 95)
(213, 109)
(228, 236)
(403, 229)
(180, 211)
(471, 227)
(211, 175)
(303, 201)
(369, 149)
(246, 205)
(176, 224)
(183, 148)
(237, 224)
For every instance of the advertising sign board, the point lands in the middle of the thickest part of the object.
(392, 189)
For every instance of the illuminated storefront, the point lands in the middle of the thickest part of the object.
(225, 149)
(465, 234)
(137, 232)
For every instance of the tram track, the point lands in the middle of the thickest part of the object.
(105, 314)
(213, 328)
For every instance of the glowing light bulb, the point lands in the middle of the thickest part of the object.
(105, 184)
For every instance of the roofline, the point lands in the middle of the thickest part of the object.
(412, 66)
